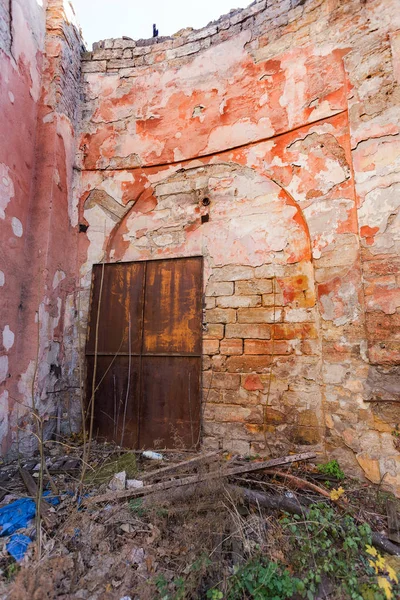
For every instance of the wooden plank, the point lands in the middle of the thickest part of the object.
(165, 485)
(185, 464)
(393, 521)
(48, 517)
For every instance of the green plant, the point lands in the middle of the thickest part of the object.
(331, 468)
(214, 594)
(330, 547)
(11, 570)
(136, 506)
(175, 591)
(261, 579)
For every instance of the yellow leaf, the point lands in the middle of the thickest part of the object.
(392, 574)
(371, 550)
(385, 585)
(335, 494)
(373, 565)
(380, 562)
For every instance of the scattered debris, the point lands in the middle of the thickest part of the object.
(118, 482)
(18, 545)
(393, 521)
(16, 515)
(134, 483)
(152, 455)
(185, 530)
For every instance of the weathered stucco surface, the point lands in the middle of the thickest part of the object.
(285, 117)
(38, 103)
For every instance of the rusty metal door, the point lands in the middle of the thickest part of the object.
(146, 352)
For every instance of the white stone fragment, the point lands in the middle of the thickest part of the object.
(118, 482)
(134, 483)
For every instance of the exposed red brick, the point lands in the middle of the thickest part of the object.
(248, 331)
(210, 346)
(294, 331)
(247, 364)
(267, 347)
(253, 383)
(231, 346)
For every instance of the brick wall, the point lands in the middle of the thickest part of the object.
(302, 97)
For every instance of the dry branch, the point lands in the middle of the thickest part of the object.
(45, 511)
(302, 484)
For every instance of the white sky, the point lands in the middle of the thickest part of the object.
(102, 19)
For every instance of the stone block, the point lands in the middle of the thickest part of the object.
(94, 66)
(242, 330)
(107, 54)
(258, 315)
(209, 302)
(370, 466)
(383, 384)
(221, 315)
(206, 363)
(213, 331)
(224, 381)
(248, 364)
(210, 346)
(219, 288)
(218, 362)
(232, 414)
(238, 302)
(202, 33)
(273, 299)
(253, 286)
(299, 315)
(121, 63)
(184, 50)
(232, 273)
(307, 436)
(267, 347)
(252, 383)
(231, 346)
(286, 331)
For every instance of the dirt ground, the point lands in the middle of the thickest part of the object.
(191, 541)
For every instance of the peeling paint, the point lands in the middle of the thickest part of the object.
(8, 338)
(287, 121)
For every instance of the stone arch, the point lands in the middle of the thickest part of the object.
(259, 297)
(231, 188)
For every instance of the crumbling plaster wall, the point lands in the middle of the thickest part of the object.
(304, 95)
(40, 51)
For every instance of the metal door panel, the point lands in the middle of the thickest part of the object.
(172, 313)
(121, 308)
(116, 408)
(170, 407)
(160, 304)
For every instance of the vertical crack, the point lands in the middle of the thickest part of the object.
(10, 12)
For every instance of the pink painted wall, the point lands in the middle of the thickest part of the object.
(21, 62)
(38, 104)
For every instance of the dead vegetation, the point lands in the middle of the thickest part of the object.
(209, 526)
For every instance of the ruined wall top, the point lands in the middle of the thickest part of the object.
(261, 17)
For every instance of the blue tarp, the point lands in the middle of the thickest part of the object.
(17, 515)
(18, 545)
